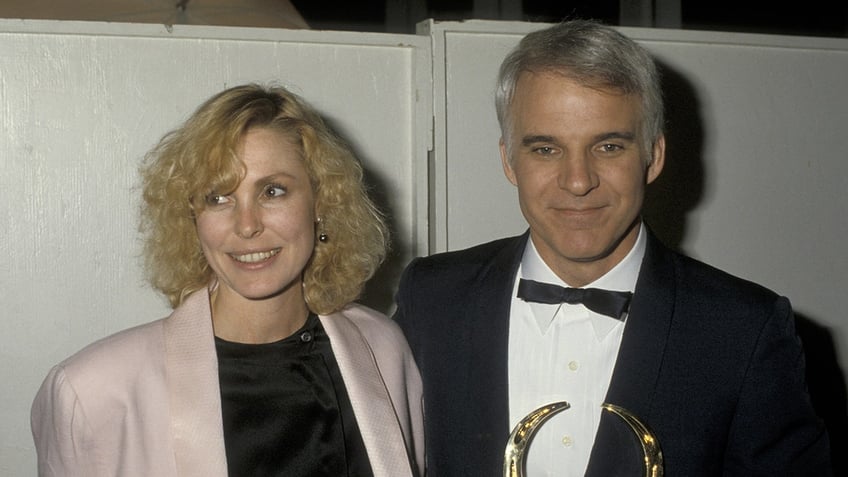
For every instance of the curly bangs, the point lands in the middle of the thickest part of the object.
(200, 158)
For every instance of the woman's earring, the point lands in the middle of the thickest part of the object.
(322, 236)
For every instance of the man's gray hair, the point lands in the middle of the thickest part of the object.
(593, 55)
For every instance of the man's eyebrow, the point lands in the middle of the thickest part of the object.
(528, 140)
(541, 138)
(626, 135)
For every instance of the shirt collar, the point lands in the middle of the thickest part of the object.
(622, 277)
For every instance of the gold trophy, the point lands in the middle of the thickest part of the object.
(515, 458)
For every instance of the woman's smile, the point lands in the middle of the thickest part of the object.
(255, 257)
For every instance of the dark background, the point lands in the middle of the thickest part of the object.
(808, 18)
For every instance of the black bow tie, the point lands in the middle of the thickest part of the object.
(605, 302)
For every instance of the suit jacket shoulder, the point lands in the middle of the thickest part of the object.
(376, 328)
(136, 403)
(442, 283)
(701, 279)
(99, 365)
(482, 255)
(88, 408)
(708, 350)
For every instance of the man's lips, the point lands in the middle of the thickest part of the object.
(578, 210)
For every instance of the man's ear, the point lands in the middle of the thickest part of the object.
(507, 168)
(657, 159)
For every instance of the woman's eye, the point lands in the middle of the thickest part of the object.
(275, 191)
(215, 199)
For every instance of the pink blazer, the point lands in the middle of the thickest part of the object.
(146, 401)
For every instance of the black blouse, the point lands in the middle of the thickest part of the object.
(285, 408)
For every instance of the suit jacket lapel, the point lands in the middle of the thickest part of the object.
(369, 398)
(640, 356)
(488, 318)
(193, 384)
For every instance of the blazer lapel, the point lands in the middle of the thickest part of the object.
(195, 397)
(487, 364)
(640, 356)
(369, 398)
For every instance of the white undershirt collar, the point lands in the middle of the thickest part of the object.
(622, 277)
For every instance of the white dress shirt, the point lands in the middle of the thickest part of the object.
(564, 353)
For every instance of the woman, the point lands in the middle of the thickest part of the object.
(260, 233)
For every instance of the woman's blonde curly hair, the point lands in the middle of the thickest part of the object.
(199, 157)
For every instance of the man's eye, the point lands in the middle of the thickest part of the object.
(610, 147)
(544, 150)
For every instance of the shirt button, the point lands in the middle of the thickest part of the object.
(573, 365)
(567, 441)
(305, 337)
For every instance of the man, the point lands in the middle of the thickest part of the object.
(708, 362)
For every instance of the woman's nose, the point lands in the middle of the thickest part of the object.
(248, 221)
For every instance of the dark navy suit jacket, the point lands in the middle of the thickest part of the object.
(711, 363)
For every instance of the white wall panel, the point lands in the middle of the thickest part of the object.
(81, 103)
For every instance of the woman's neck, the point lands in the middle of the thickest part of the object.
(242, 320)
